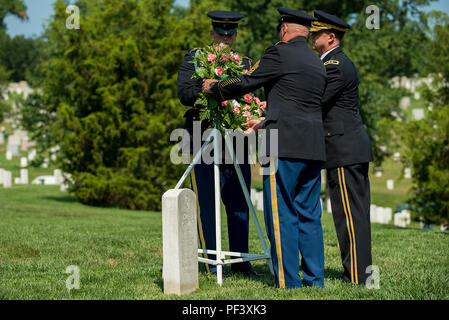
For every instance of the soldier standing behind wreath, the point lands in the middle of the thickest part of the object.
(294, 80)
(348, 149)
(224, 30)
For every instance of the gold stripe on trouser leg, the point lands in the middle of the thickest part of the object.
(198, 211)
(347, 224)
(277, 231)
(352, 226)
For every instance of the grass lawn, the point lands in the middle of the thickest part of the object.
(119, 253)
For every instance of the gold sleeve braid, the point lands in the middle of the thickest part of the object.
(225, 83)
(253, 68)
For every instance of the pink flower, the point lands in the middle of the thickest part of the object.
(237, 58)
(236, 109)
(218, 71)
(224, 58)
(222, 44)
(247, 114)
(211, 57)
(216, 48)
(245, 71)
(246, 107)
(224, 103)
(248, 98)
(257, 100)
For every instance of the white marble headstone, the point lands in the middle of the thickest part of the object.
(7, 179)
(24, 176)
(179, 241)
(390, 184)
(23, 162)
(407, 173)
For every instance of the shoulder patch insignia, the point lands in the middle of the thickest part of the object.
(253, 68)
(249, 60)
(280, 42)
(332, 62)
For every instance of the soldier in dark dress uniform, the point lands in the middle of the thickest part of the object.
(294, 80)
(224, 30)
(348, 149)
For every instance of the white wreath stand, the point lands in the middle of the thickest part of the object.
(220, 254)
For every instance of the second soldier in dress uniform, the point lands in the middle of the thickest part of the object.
(224, 30)
(348, 149)
(294, 79)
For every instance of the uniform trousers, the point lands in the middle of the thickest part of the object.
(293, 221)
(235, 204)
(350, 201)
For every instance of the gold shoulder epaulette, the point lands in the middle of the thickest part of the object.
(280, 42)
(332, 62)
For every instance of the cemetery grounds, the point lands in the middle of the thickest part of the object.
(118, 253)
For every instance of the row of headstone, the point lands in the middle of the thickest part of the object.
(23, 179)
(402, 219)
(412, 84)
(56, 179)
(380, 214)
(257, 199)
(5, 178)
(18, 141)
(13, 151)
(390, 185)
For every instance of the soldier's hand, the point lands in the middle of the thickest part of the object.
(206, 85)
(253, 125)
(263, 106)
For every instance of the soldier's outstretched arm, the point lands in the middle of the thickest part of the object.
(264, 71)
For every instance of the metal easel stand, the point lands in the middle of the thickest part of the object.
(221, 255)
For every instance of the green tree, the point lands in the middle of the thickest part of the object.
(21, 55)
(7, 7)
(258, 30)
(4, 107)
(14, 7)
(379, 55)
(427, 140)
(109, 97)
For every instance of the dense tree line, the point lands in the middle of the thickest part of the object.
(107, 92)
(427, 140)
